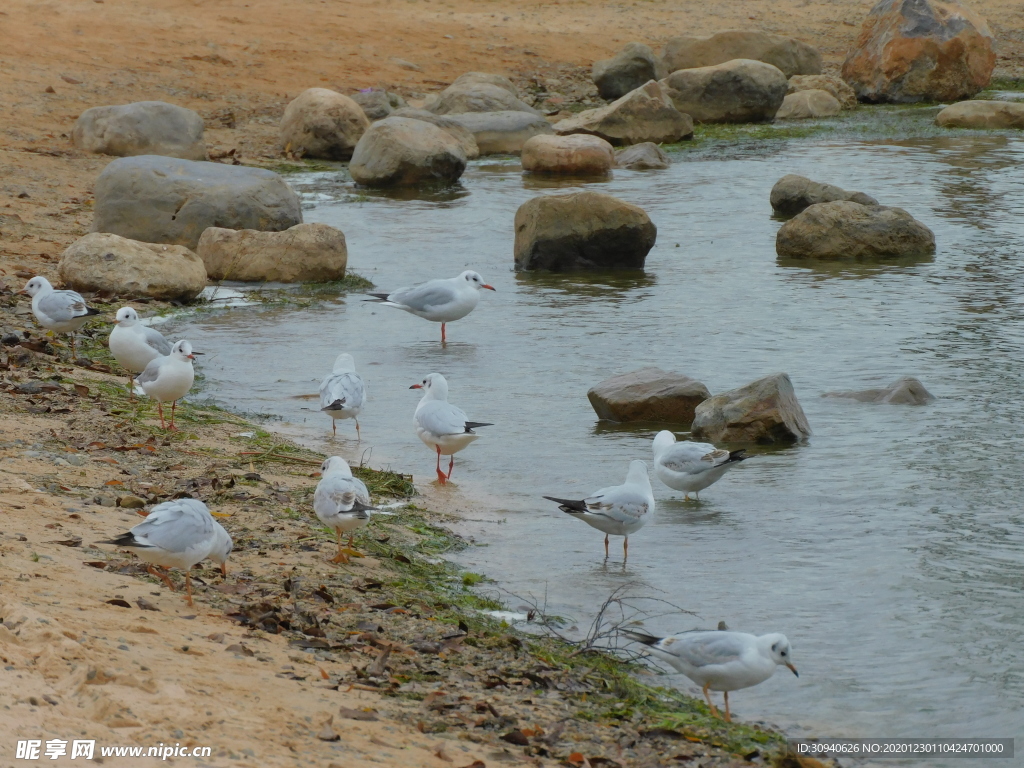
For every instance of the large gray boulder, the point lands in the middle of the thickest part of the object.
(374, 102)
(115, 265)
(478, 92)
(904, 391)
(644, 114)
(792, 194)
(738, 91)
(764, 411)
(322, 123)
(167, 200)
(579, 155)
(502, 133)
(840, 90)
(982, 114)
(449, 125)
(303, 253)
(642, 157)
(401, 151)
(582, 230)
(141, 128)
(791, 56)
(648, 394)
(485, 78)
(626, 71)
(811, 103)
(851, 231)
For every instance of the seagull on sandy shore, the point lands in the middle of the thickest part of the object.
(342, 503)
(619, 510)
(343, 393)
(720, 660)
(58, 311)
(169, 378)
(134, 345)
(177, 534)
(440, 301)
(691, 467)
(440, 425)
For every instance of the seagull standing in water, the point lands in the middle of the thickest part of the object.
(440, 301)
(169, 378)
(619, 510)
(135, 345)
(343, 393)
(440, 425)
(691, 467)
(720, 660)
(341, 502)
(57, 311)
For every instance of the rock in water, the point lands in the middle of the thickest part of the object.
(764, 411)
(580, 155)
(166, 200)
(322, 123)
(642, 157)
(789, 55)
(982, 114)
(848, 230)
(502, 133)
(626, 71)
(803, 105)
(649, 394)
(404, 151)
(842, 92)
(447, 124)
(304, 253)
(904, 391)
(115, 265)
(792, 194)
(642, 115)
(141, 128)
(738, 91)
(920, 50)
(582, 230)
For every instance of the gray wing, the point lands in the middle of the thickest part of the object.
(336, 494)
(63, 306)
(343, 386)
(701, 649)
(693, 458)
(362, 493)
(176, 526)
(441, 418)
(156, 340)
(151, 371)
(620, 502)
(424, 297)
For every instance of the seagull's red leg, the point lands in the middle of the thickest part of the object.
(174, 404)
(188, 586)
(334, 426)
(440, 472)
(359, 435)
(606, 546)
(714, 709)
(625, 549)
(451, 466)
(160, 408)
(728, 716)
(442, 333)
(162, 576)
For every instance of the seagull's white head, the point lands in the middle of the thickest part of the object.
(663, 440)
(335, 465)
(435, 387)
(222, 549)
(344, 363)
(638, 473)
(182, 350)
(126, 316)
(474, 279)
(38, 284)
(777, 647)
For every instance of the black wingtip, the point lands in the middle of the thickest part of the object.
(740, 455)
(91, 311)
(335, 406)
(377, 297)
(641, 637)
(124, 540)
(572, 506)
(471, 425)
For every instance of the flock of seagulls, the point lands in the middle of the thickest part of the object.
(182, 533)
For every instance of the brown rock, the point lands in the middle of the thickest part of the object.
(304, 253)
(322, 123)
(642, 157)
(982, 114)
(791, 56)
(904, 391)
(920, 50)
(792, 194)
(141, 128)
(764, 411)
(581, 155)
(804, 105)
(848, 230)
(626, 71)
(501, 133)
(447, 124)
(738, 91)
(485, 78)
(476, 92)
(840, 90)
(645, 114)
(403, 151)
(649, 394)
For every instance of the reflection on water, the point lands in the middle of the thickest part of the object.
(888, 548)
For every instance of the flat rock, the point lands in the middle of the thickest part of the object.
(982, 114)
(792, 194)
(764, 411)
(401, 151)
(579, 155)
(648, 394)
(738, 91)
(920, 50)
(789, 55)
(847, 230)
(303, 253)
(447, 124)
(141, 128)
(166, 200)
(322, 123)
(842, 92)
(904, 391)
(811, 103)
(626, 71)
(642, 157)
(502, 133)
(582, 231)
(114, 265)
(645, 114)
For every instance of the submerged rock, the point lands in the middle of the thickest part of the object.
(848, 230)
(580, 155)
(642, 115)
(642, 157)
(400, 151)
(648, 394)
(904, 391)
(141, 128)
(303, 253)
(502, 133)
(738, 91)
(764, 411)
(792, 194)
(790, 56)
(804, 105)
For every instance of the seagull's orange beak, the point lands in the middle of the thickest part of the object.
(117, 322)
(318, 473)
(191, 357)
(793, 670)
(416, 386)
(22, 292)
(489, 287)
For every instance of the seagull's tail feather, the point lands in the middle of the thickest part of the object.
(377, 297)
(335, 406)
(640, 637)
(358, 506)
(740, 455)
(91, 311)
(573, 507)
(125, 540)
(471, 425)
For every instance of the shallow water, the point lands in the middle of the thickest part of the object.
(889, 548)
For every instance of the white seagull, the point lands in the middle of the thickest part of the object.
(691, 467)
(176, 534)
(619, 510)
(169, 378)
(440, 301)
(134, 345)
(342, 502)
(343, 393)
(222, 546)
(440, 425)
(721, 660)
(58, 311)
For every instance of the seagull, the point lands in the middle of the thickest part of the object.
(691, 467)
(440, 301)
(169, 378)
(134, 345)
(343, 393)
(176, 534)
(342, 503)
(222, 546)
(618, 510)
(720, 660)
(440, 425)
(57, 311)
